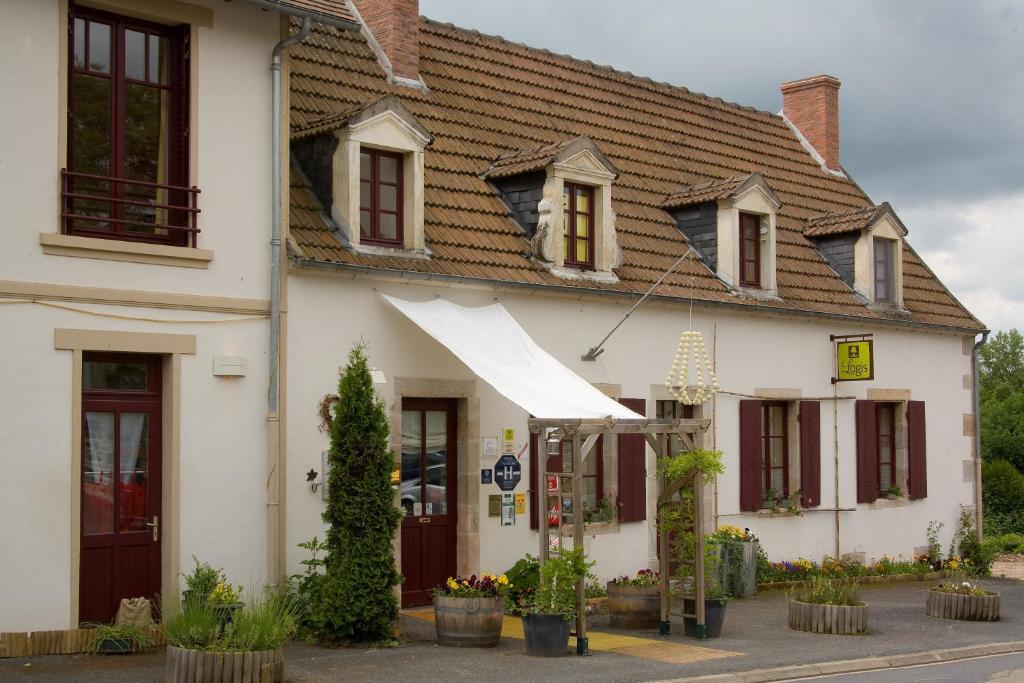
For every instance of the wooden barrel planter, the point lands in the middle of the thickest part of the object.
(840, 620)
(200, 666)
(634, 606)
(964, 607)
(468, 622)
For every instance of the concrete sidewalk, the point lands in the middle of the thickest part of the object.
(755, 636)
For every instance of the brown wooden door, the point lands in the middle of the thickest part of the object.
(427, 496)
(121, 420)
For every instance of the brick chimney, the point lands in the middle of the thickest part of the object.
(395, 25)
(812, 105)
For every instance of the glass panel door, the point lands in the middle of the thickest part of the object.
(436, 457)
(412, 468)
(133, 509)
(98, 473)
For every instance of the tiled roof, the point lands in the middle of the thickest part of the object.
(329, 9)
(840, 222)
(514, 163)
(711, 190)
(488, 97)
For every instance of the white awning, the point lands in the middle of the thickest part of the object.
(501, 353)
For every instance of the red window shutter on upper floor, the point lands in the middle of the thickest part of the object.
(810, 453)
(867, 452)
(633, 469)
(917, 469)
(750, 455)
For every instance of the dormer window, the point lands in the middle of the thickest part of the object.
(578, 219)
(865, 247)
(561, 197)
(884, 271)
(380, 197)
(366, 165)
(750, 250)
(731, 224)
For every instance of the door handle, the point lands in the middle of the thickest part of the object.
(424, 520)
(155, 526)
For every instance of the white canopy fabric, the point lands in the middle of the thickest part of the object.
(500, 352)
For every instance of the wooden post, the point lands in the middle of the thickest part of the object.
(664, 564)
(582, 647)
(542, 502)
(698, 551)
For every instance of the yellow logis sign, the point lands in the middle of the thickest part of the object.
(855, 360)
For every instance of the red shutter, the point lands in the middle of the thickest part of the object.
(867, 452)
(534, 476)
(917, 469)
(750, 455)
(810, 453)
(633, 469)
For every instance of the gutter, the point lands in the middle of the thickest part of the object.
(976, 404)
(578, 292)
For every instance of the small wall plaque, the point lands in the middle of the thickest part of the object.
(494, 505)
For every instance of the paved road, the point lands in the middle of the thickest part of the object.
(998, 669)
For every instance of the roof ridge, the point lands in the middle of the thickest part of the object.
(605, 67)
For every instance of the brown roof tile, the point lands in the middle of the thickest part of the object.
(853, 220)
(496, 107)
(335, 12)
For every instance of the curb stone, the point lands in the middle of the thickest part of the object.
(788, 673)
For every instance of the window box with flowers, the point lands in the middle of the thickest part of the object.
(469, 612)
(635, 602)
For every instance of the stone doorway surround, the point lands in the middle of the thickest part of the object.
(467, 534)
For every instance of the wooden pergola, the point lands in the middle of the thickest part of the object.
(584, 434)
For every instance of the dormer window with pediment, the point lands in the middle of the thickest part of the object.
(367, 166)
(561, 196)
(865, 247)
(731, 224)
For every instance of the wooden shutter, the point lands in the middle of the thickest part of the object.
(750, 455)
(810, 453)
(917, 470)
(633, 469)
(535, 490)
(867, 452)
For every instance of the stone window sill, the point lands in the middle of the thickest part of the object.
(882, 503)
(396, 252)
(598, 528)
(781, 513)
(119, 250)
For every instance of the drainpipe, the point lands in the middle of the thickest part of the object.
(977, 433)
(274, 463)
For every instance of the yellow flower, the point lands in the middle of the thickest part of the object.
(465, 582)
(452, 584)
(503, 580)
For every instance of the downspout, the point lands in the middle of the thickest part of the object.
(976, 400)
(274, 463)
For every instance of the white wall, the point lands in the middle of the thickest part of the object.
(327, 314)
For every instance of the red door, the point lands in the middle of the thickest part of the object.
(121, 419)
(427, 496)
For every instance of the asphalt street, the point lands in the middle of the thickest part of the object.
(999, 669)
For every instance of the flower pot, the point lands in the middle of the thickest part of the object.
(714, 616)
(468, 622)
(964, 607)
(840, 620)
(634, 606)
(226, 612)
(547, 635)
(188, 596)
(201, 666)
(114, 646)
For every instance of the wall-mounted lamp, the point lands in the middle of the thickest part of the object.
(378, 377)
(311, 479)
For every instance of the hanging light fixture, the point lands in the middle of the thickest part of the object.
(705, 384)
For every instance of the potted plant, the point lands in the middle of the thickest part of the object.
(894, 492)
(828, 606)
(226, 600)
(469, 612)
(201, 648)
(716, 597)
(114, 639)
(736, 560)
(635, 602)
(201, 582)
(771, 501)
(960, 598)
(546, 622)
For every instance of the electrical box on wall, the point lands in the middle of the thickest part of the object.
(229, 366)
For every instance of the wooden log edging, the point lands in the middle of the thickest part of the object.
(892, 578)
(840, 620)
(59, 642)
(963, 607)
(198, 666)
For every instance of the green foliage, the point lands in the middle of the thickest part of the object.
(1007, 543)
(523, 582)
(137, 638)
(558, 578)
(934, 547)
(305, 590)
(357, 599)
(1002, 487)
(979, 556)
(684, 463)
(203, 578)
(1001, 395)
(821, 591)
(264, 622)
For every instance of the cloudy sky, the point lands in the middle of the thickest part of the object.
(931, 106)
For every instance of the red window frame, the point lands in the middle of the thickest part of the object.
(371, 205)
(572, 237)
(766, 455)
(750, 248)
(885, 414)
(885, 272)
(179, 198)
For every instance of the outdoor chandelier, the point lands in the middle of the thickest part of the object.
(691, 345)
